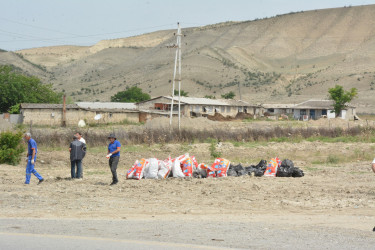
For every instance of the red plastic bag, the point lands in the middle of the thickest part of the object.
(136, 171)
(272, 167)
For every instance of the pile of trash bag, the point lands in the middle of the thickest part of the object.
(179, 167)
(187, 166)
(284, 168)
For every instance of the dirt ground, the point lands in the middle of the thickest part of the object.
(333, 195)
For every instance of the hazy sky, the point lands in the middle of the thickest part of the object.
(38, 23)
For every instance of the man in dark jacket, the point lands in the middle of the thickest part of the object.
(77, 151)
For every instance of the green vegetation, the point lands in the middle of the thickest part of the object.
(182, 92)
(133, 94)
(341, 97)
(210, 97)
(16, 88)
(11, 147)
(229, 95)
(213, 150)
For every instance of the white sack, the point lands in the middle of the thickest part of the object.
(151, 172)
(176, 169)
(164, 169)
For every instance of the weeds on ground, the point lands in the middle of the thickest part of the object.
(213, 148)
(240, 137)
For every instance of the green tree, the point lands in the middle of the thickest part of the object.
(11, 147)
(182, 92)
(341, 97)
(229, 95)
(16, 88)
(133, 94)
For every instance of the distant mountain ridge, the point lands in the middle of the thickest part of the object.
(288, 58)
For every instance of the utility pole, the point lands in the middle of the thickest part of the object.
(64, 112)
(239, 90)
(177, 64)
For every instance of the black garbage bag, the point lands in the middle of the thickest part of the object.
(203, 173)
(238, 168)
(297, 172)
(242, 172)
(262, 165)
(232, 172)
(250, 169)
(284, 172)
(258, 172)
(197, 174)
(287, 164)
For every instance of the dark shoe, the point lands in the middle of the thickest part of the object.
(40, 181)
(113, 183)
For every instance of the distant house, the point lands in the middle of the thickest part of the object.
(278, 109)
(315, 109)
(52, 114)
(195, 107)
(311, 109)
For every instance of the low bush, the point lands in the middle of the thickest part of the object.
(11, 147)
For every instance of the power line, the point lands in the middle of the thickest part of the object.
(37, 27)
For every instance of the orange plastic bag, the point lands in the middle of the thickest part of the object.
(219, 168)
(136, 171)
(187, 167)
(272, 167)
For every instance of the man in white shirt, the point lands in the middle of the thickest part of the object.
(373, 165)
(80, 138)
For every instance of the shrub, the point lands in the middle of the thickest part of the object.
(11, 147)
(213, 151)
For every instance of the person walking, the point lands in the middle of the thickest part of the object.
(32, 151)
(77, 151)
(113, 155)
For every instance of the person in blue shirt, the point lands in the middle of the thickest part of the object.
(114, 148)
(31, 159)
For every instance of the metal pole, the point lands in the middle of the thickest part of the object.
(179, 75)
(174, 77)
(64, 112)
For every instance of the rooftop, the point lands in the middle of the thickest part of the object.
(205, 101)
(106, 105)
(47, 106)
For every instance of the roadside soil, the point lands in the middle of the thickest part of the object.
(326, 193)
(334, 202)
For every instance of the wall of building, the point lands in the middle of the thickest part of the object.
(345, 114)
(150, 105)
(53, 117)
(223, 110)
(201, 109)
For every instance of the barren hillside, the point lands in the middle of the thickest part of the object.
(287, 58)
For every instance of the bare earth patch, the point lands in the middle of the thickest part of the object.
(330, 196)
